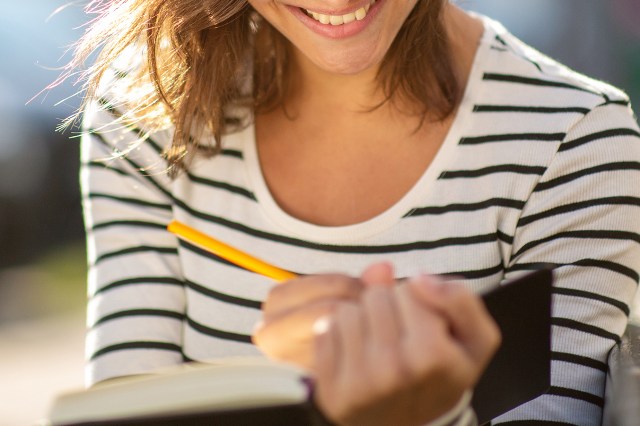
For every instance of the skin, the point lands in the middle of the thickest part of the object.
(368, 320)
(432, 339)
(292, 309)
(331, 136)
(362, 52)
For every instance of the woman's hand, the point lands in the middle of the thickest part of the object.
(403, 355)
(291, 309)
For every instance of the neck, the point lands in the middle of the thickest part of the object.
(318, 90)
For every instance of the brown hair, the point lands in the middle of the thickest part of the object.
(199, 55)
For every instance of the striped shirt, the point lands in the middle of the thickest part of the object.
(541, 165)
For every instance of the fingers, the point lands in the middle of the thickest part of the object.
(327, 354)
(338, 352)
(381, 315)
(289, 337)
(380, 273)
(305, 290)
(388, 356)
(351, 333)
(292, 308)
(469, 321)
(427, 345)
(355, 364)
(384, 334)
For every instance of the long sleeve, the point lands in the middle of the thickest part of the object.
(135, 287)
(584, 217)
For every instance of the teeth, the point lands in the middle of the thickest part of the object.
(359, 15)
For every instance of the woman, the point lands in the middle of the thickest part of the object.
(377, 139)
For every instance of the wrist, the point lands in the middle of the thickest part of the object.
(461, 413)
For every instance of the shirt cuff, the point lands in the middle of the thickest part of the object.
(460, 415)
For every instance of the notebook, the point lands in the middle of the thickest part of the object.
(256, 391)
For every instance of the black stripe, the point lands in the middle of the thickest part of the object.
(530, 109)
(579, 360)
(477, 273)
(136, 345)
(585, 328)
(567, 208)
(129, 200)
(207, 254)
(136, 223)
(499, 48)
(141, 134)
(225, 152)
(505, 238)
(533, 423)
(140, 280)
(222, 185)
(526, 58)
(391, 248)
(611, 133)
(221, 334)
(531, 266)
(137, 249)
(592, 296)
(106, 104)
(467, 207)
(593, 263)
(612, 266)
(155, 145)
(503, 168)
(118, 73)
(576, 394)
(510, 78)
(103, 166)
(509, 137)
(581, 234)
(623, 102)
(223, 297)
(133, 164)
(232, 153)
(608, 167)
(140, 312)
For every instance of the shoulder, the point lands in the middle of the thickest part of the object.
(111, 123)
(549, 96)
(513, 61)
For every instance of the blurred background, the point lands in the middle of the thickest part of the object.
(42, 260)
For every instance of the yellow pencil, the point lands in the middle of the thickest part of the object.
(229, 253)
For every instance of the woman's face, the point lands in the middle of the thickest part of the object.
(339, 36)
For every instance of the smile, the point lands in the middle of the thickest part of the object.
(335, 20)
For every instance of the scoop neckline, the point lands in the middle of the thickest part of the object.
(392, 215)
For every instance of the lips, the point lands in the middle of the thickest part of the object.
(338, 26)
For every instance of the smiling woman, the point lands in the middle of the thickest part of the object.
(205, 47)
(359, 144)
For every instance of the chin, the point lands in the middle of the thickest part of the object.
(347, 62)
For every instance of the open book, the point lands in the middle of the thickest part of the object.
(256, 391)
